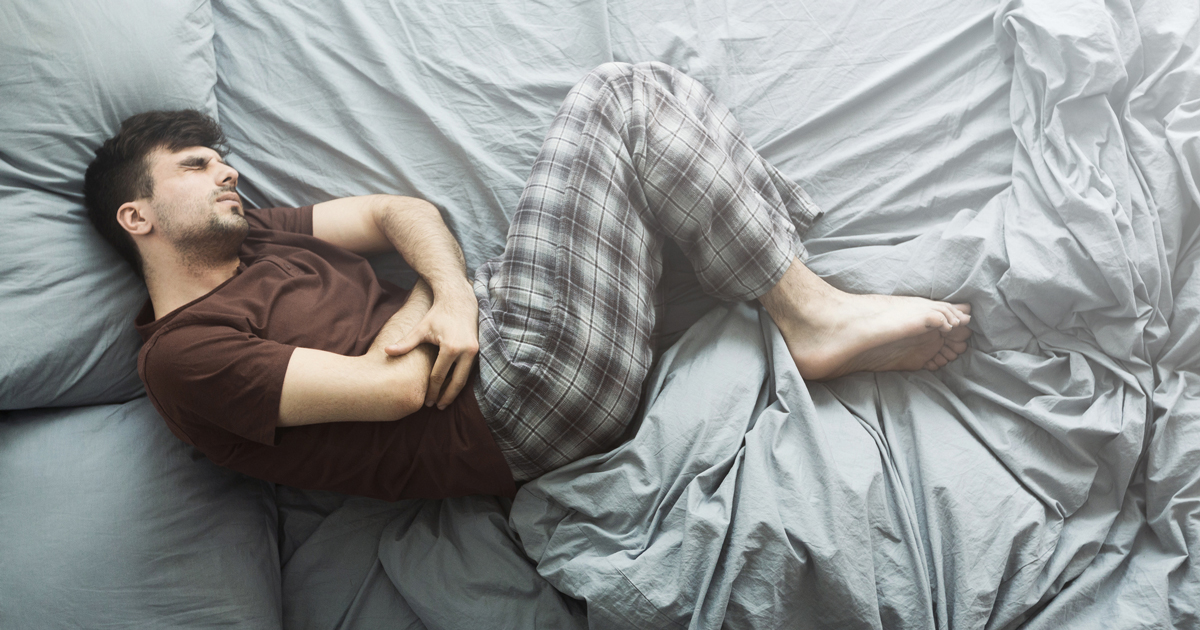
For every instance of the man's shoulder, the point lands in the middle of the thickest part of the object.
(210, 309)
(186, 334)
(209, 376)
(208, 347)
(282, 219)
(190, 331)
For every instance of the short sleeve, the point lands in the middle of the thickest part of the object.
(201, 375)
(296, 220)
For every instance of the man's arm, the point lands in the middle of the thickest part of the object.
(419, 301)
(414, 227)
(323, 386)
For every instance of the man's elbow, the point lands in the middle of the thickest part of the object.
(410, 398)
(383, 206)
(411, 384)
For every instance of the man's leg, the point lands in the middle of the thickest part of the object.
(638, 154)
(831, 333)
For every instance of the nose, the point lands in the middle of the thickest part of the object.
(228, 176)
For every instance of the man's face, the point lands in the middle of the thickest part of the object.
(196, 205)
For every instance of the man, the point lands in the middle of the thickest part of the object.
(272, 348)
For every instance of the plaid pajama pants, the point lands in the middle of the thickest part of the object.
(637, 154)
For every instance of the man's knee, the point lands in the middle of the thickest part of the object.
(609, 73)
(653, 71)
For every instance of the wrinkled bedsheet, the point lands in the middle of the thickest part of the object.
(994, 492)
(1037, 159)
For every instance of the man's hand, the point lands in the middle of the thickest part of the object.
(323, 386)
(416, 230)
(452, 324)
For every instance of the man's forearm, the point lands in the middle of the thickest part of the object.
(327, 387)
(402, 321)
(415, 228)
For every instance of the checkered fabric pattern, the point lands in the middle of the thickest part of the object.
(636, 154)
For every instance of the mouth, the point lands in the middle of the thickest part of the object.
(230, 197)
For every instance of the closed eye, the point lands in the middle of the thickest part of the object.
(195, 161)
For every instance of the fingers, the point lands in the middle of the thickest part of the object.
(441, 367)
(462, 360)
(414, 338)
(462, 371)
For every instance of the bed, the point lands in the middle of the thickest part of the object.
(1036, 158)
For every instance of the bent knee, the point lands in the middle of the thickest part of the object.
(610, 71)
(656, 71)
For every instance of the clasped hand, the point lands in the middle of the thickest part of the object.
(451, 324)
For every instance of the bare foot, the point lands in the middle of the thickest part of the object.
(831, 333)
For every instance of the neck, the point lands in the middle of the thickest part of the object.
(174, 283)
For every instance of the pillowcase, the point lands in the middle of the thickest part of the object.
(110, 521)
(72, 72)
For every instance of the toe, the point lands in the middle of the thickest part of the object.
(959, 334)
(951, 314)
(957, 317)
(938, 320)
(964, 308)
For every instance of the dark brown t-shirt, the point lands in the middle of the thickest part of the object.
(214, 369)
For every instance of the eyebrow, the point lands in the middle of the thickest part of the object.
(197, 161)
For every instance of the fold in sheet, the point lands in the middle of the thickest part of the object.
(995, 482)
(1037, 159)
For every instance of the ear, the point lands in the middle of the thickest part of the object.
(135, 217)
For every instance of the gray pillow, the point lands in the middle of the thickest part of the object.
(71, 72)
(110, 521)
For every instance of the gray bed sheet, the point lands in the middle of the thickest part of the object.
(1036, 159)
(364, 563)
(109, 521)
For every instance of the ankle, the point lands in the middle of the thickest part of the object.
(801, 296)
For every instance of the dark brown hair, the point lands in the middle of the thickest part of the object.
(120, 171)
